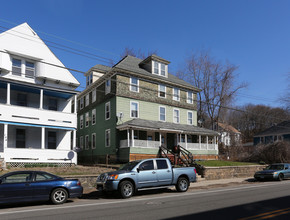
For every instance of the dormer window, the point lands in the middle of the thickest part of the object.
(159, 68)
(89, 79)
(20, 66)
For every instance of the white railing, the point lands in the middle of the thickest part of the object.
(198, 146)
(29, 115)
(140, 143)
(39, 155)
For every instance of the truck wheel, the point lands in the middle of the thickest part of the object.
(126, 189)
(280, 177)
(182, 184)
(58, 196)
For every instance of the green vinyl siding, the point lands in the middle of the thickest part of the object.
(150, 111)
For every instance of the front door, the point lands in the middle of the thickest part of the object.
(163, 139)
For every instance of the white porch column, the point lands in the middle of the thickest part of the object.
(132, 132)
(74, 139)
(160, 137)
(42, 137)
(41, 99)
(75, 106)
(8, 94)
(215, 144)
(128, 137)
(5, 141)
(206, 142)
(185, 141)
(199, 140)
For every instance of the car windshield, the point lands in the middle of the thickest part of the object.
(275, 167)
(129, 166)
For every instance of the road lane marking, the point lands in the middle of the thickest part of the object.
(267, 215)
(140, 199)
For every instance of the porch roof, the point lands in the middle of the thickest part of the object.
(165, 126)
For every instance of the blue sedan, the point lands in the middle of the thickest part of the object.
(278, 171)
(26, 186)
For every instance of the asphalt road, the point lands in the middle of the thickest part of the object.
(251, 201)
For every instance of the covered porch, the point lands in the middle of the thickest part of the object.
(147, 136)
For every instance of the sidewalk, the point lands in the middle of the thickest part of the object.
(202, 182)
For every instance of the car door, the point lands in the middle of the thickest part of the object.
(16, 187)
(146, 176)
(42, 185)
(287, 171)
(164, 172)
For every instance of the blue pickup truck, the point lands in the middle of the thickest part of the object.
(147, 173)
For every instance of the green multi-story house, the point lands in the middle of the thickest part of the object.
(127, 111)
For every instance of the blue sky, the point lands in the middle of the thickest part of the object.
(252, 34)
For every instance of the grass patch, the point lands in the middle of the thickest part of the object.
(222, 163)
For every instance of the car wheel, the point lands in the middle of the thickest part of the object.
(182, 184)
(58, 196)
(280, 177)
(126, 189)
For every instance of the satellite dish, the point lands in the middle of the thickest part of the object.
(70, 155)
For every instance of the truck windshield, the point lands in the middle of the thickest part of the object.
(129, 166)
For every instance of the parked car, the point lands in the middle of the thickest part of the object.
(278, 171)
(147, 173)
(25, 186)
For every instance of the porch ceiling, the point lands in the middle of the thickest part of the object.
(164, 126)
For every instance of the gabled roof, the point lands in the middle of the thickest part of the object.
(131, 64)
(228, 128)
(24, 42)
(165, 126)
(282, 128)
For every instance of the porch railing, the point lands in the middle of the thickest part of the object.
(140, 143)
(198, 146)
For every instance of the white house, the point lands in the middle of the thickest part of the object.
(37, 118)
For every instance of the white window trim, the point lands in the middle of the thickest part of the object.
(87, 119)
(159, 69)
(133, 85)
(94, 95)
(187, 99)
(108, 104)
(178, 116)
(160, 113)
(93, 147)
(108, 88)
(81, 102)
(81, 142)
(81, 122)
(191, 118)
(87, 99)
(160, 90)
(23, 66)
(87, 143)
(173, 96)
(138, 111)
(109, 132)
(94, 114)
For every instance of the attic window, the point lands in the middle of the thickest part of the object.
(159, 68)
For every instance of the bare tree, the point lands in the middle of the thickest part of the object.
(137, 53)
(217, 81)
(285, 99)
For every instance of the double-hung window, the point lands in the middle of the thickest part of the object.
(134, 84)
(162, 91)
(189, 117)
(87, 142)
(176, 94)
(22, 99)
(87, 119)
(51, 140)
(107, 138)
(162, 71)
(87, 99)
(108, 86)
(81, 122)
(159, 68)
(93, 140)
(107, 111)
(93, 116)
(190, 97)
(134, 109)
(162, 113)
(16, 67)
(82, 103)
(82, 142)
(176, 115)
(94, 95)
(29, 69)
(156, 67)
(52, 104)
